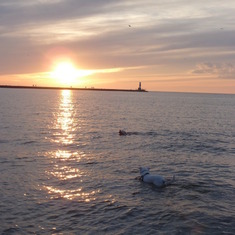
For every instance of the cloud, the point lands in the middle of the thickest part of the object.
(220, 70)
(174, 35)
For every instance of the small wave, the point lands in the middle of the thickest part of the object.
(115, 206)
(29, 142)
(12, 230)
(91, 163)
(150, 133)
(208, 148)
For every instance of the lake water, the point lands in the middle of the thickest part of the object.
(64, 169)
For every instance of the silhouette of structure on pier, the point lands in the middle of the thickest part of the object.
(139, 89)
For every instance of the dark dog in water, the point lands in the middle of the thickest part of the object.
(122, 132)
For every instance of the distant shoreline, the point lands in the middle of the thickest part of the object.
(70, 88)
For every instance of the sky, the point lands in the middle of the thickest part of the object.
(168, 45)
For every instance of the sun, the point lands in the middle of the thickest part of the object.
(65, 73)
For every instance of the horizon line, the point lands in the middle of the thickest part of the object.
(70, 88)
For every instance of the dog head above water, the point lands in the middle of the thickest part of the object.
(144, 171)
(122, 132)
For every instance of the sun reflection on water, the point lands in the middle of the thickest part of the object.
(64, 155)
(64, 172)
(71, 194)
(65, 120)
(65, 162)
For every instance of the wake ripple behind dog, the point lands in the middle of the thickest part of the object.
(157, 180)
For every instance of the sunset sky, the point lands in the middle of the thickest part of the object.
(168, 45)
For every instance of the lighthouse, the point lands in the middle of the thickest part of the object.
(139, 89)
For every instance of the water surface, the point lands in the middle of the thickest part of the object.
(65, 169)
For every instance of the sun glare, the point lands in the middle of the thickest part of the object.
(65, 73)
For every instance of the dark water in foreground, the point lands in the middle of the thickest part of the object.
(65, 170)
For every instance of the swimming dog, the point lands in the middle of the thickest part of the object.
(157, 180)
(122, 132)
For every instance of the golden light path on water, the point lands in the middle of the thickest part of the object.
(65, 119)
(64, 132)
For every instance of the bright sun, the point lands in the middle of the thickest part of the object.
(65, 73)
